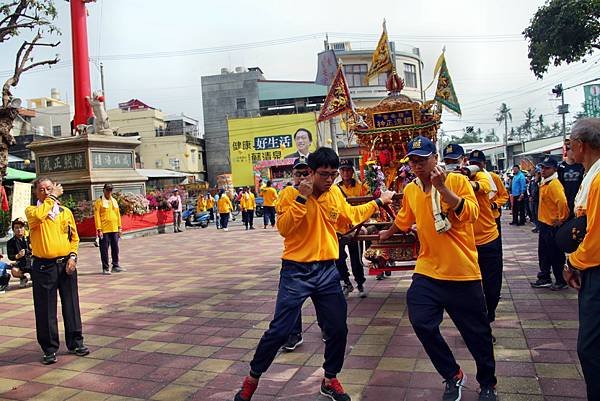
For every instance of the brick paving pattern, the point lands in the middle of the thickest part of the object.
(183, 322)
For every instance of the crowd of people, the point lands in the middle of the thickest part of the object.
(454, 206)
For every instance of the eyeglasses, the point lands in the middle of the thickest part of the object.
(325, 175)
(301, 174)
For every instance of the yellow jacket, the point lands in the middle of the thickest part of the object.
(588, 253)
(200, 204)
(451, 255)
(269, 196)
(501, 195)
(107, 216)
(51, 238)
(553, 203)
(210, 203)
(358, 189)
(248, 201)
(308, 226)
(224, 204)
(485, 227)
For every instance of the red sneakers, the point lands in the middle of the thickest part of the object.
(248, 388)
(334, 390)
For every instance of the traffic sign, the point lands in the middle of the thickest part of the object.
(592, 100)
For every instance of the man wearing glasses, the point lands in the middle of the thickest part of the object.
(447, 276)
(308, 221)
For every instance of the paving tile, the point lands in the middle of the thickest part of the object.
(193, 336)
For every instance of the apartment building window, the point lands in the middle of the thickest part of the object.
(241, 103)
(410, 75)
(56, 130)
(355, 74)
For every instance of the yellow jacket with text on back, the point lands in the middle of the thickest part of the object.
(51, 238)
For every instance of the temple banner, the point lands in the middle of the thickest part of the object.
(253, 141)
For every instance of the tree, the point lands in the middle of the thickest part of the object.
(17, 17)
(503, 115)
(491, 136)
(540, 123)
(527, 126)
(562, 31)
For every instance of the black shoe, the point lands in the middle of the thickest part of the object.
(334, 390)
(513, 223)
(535, 230)
(80, 351)
(558, 286)
(3, 288)
(118, 269)
(49, 359)
(361, 291)
(252, 228)
(379, 276)
(347, 288)
(293, 341)
(488, 393)
(105, 271)
(540, 283)
(453, 391)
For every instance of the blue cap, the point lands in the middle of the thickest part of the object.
(549, 161)
(453, 151)
(420, 146)
(300, 163)
(477, 156)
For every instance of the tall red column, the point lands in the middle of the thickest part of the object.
(81, 66)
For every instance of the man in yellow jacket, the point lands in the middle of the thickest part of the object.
(552, 213)
(201, 204)
(447, 276)
(269, 195)
(582, 270)
(210, 205)
(248, 204)
(107, 218)
(307, 222)
(225, 207)
(54, 245)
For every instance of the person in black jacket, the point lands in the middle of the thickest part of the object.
(19, 250)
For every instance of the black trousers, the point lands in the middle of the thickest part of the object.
(490, 263)
(48, 277)
(248, 218)
(269, 215)
(550, 257)
(224, 219)
(298, 281)
(464, 301)
(109, 240)
(355, 262)
(518, 212)
(588, 341)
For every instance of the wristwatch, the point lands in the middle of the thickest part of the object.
(73, 256)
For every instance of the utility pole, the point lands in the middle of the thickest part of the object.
(563, 109)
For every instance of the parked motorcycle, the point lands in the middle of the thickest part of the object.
(258, 212)
(193, 219)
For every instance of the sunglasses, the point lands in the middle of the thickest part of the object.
(301, 174)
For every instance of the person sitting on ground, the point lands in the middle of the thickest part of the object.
(5, 269)
(18, 249)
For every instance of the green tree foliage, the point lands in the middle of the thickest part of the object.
(562, 31)
(503, 116)
(491, 136)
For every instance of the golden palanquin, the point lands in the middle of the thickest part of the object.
(383, 132)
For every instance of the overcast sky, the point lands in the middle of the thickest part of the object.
(138, 41)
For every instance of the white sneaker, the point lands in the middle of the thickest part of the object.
(226, 229)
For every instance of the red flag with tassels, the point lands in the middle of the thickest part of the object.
(338, 99)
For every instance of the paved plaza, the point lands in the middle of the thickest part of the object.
(184, 321)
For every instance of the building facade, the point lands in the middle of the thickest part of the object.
(166, 142)
(52, 115)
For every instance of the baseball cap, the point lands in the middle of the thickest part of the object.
(108, 187)
(175, 190)
(549, 161)
(300, 163)
(453, 151)
(346, 163)
(477, 156)
(420, 146)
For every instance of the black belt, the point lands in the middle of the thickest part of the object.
(61, 259)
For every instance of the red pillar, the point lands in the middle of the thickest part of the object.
(81, 67)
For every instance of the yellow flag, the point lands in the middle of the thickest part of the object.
(382, 59)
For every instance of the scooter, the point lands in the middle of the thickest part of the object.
(193, 219)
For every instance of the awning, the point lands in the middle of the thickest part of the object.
(18, 175)
(544, 149)
(160, 173)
